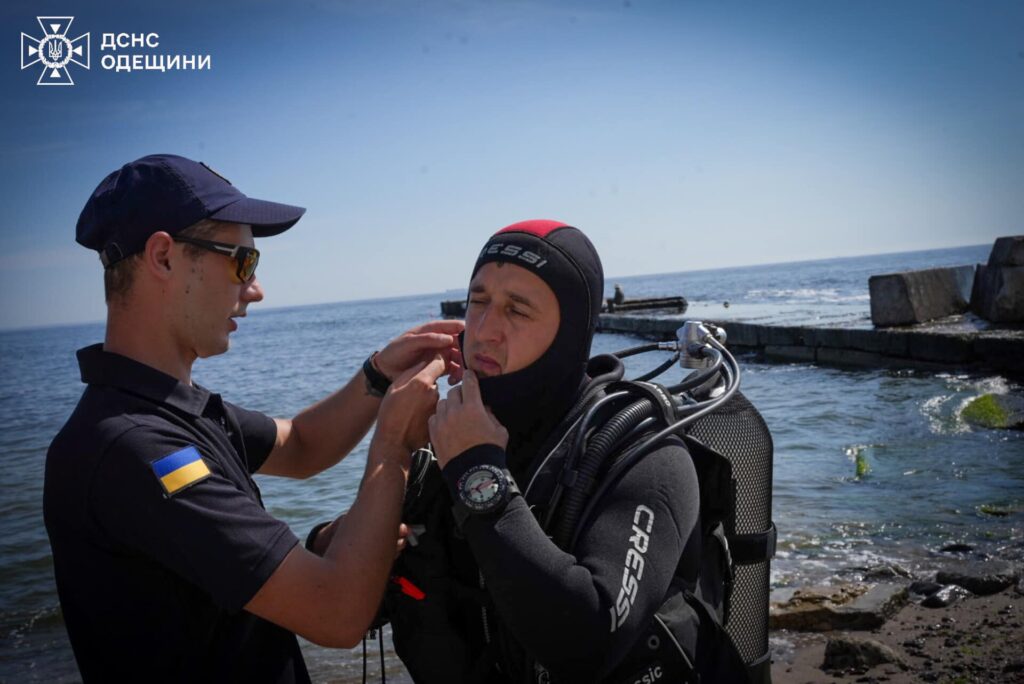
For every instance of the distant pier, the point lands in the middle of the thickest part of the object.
(958, 317)
(962, 343)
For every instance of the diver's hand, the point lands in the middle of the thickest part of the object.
(420, 345)
(411, 399)
(462, 421)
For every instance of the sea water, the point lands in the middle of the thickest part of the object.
(925, 478)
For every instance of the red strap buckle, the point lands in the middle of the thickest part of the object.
(408, 588)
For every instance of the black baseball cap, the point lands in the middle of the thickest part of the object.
(169, 193)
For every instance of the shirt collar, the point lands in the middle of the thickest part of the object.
(99, 367)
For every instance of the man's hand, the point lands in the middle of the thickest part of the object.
(419, 345)
(462, 421)
(403, 533)
(410, 400)
(327, 532)
(327, 431)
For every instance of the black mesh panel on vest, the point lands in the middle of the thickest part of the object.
(738, 432)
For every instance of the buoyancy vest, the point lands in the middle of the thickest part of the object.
(445, 628)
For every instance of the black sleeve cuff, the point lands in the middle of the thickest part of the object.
(490, 454)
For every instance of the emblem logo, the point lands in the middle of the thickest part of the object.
(55, 51)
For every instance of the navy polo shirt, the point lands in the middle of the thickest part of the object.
(159, 534)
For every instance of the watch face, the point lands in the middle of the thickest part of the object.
(482, 487)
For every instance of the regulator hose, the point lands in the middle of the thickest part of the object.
(700, 377)
(651, 346)
(669, 362)
(730, 370)
(577, 448)
(599, 447)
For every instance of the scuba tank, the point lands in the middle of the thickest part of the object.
(737, 431)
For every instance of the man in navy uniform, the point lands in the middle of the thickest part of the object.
(167, 565)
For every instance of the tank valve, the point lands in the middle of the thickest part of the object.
(692, 340)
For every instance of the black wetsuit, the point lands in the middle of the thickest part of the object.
(497, 600)
(576, 615)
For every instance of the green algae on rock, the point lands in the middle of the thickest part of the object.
(1000, 411)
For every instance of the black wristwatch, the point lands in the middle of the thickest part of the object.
(376, 382)
(483, 489)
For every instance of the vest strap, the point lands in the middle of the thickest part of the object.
(748, 549)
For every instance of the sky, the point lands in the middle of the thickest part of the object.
(678, 135)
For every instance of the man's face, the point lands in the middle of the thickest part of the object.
(511, 320)
(211, 296)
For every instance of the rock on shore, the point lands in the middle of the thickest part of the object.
(972, 637)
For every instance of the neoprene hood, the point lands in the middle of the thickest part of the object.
(565, 259)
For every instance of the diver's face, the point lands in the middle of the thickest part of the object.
(511, 320)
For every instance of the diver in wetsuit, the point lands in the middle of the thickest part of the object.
(485, 595)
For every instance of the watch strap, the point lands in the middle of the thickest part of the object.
(461, 511)
(377, 383)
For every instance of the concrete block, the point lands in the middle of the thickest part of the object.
(831, 338)
(789, 353)
(864, 340)
(825, 337)
(917, 296)
(850, 357)
(666, 328)
(998, 294)
(943, 348)
(978, 288)
(650, 327)
(887, 342)
(740, 334)
(1007, 251)
(781, 335)
(1004, 353)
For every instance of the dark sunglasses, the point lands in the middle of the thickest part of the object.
(246, 258)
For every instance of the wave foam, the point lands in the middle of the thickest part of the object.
(803, 295)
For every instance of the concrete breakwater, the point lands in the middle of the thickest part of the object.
(936, 347)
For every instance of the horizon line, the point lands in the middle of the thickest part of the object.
(69, 324)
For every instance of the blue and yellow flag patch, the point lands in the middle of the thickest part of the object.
(180, 470)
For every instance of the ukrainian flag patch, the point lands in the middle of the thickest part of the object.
(180, 470)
